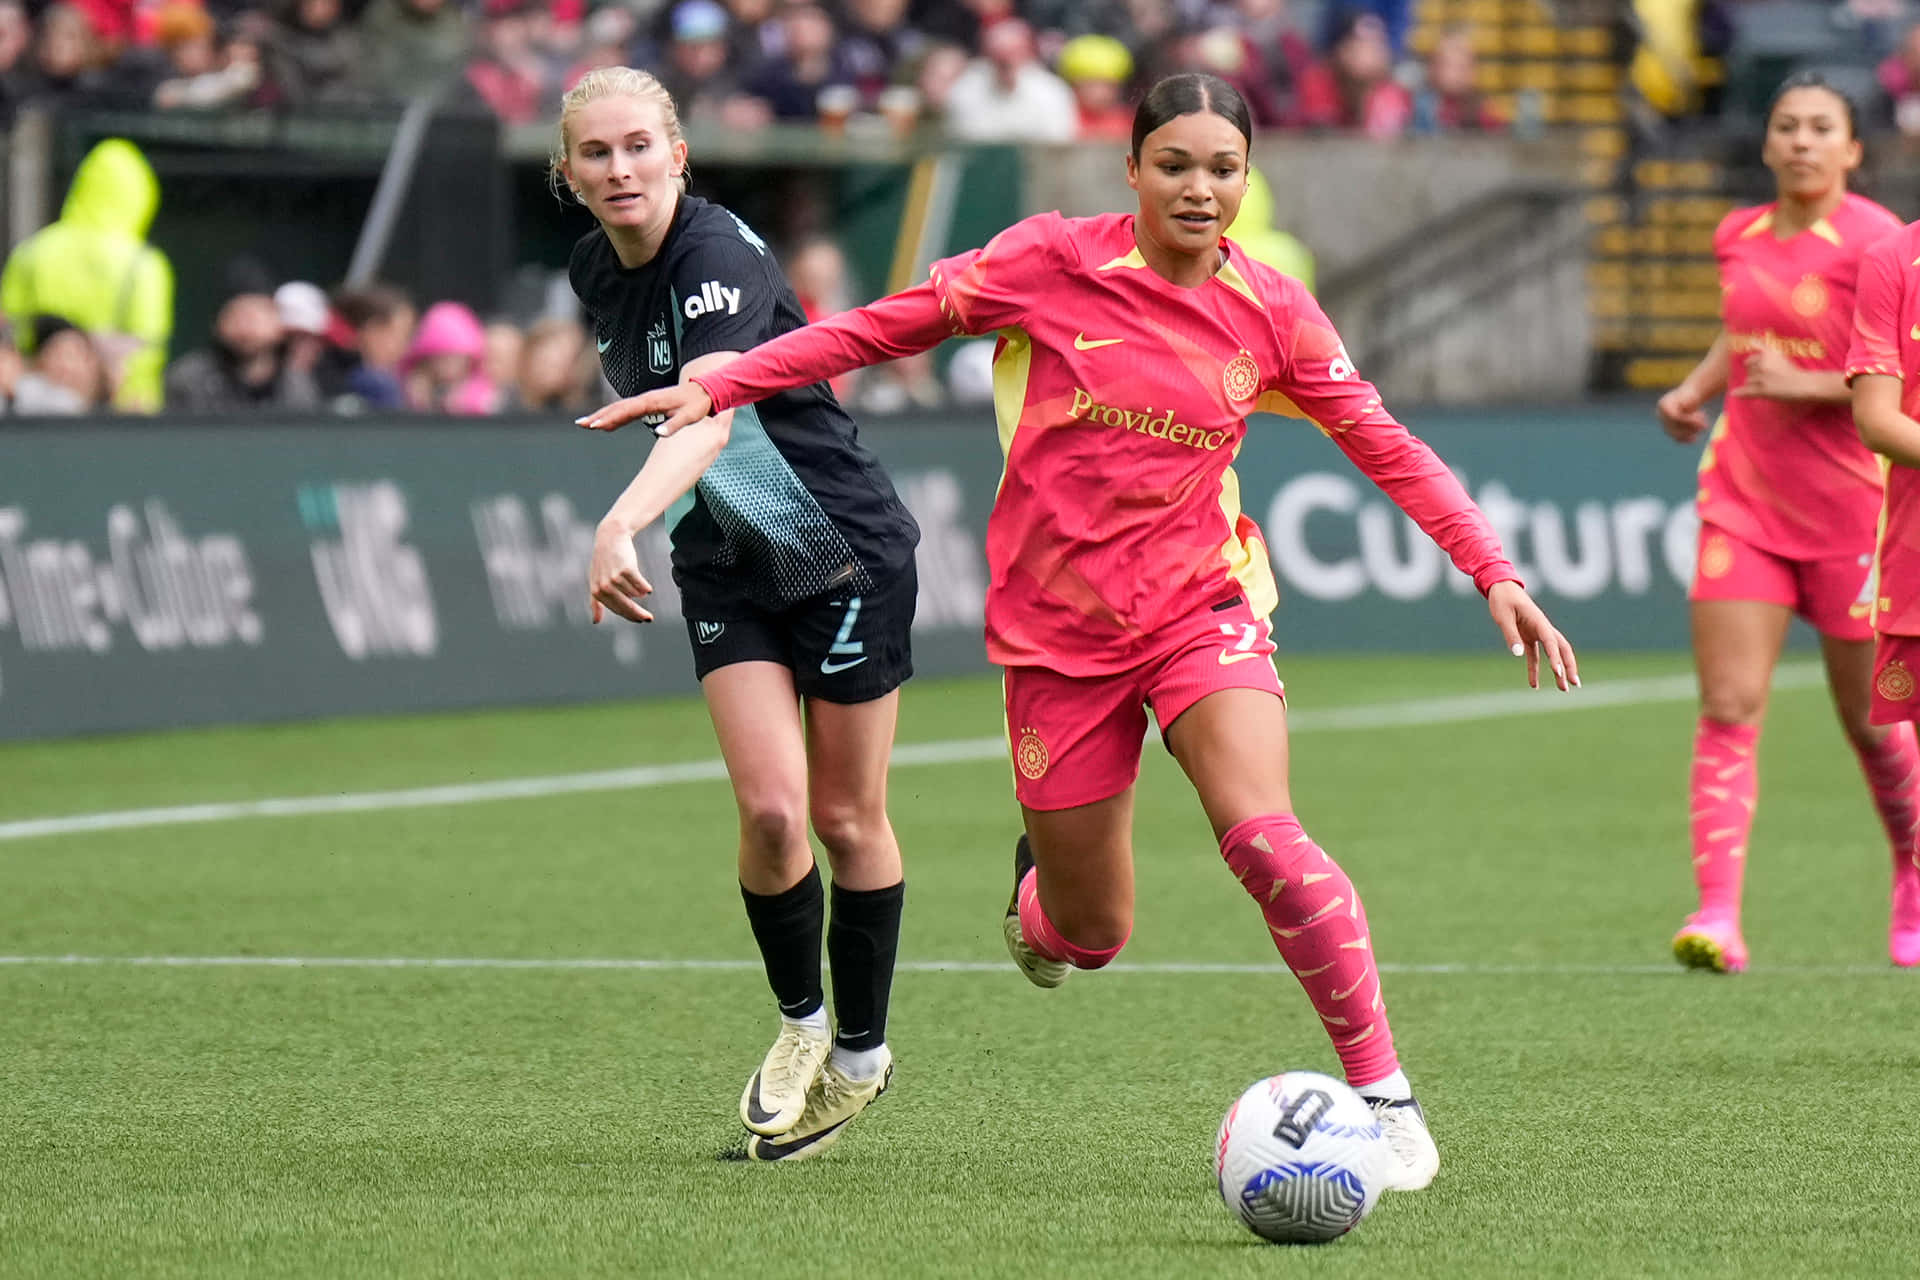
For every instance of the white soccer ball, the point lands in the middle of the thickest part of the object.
(1301, 1158)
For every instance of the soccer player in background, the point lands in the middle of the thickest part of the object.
(794, 559)
(1883, 367)
(1788, 503)
(1124, 576)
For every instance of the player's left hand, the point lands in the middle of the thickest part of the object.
(1529, 634)
(614, 580)
(1770, 376)
(668, 408)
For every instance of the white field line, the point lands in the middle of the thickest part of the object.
(1451, 709)
(905, 966)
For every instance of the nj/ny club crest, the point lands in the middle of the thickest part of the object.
(659, 348)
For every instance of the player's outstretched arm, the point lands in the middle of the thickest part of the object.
(901, 324)
(1528, 634)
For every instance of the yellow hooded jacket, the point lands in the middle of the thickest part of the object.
(1253, 230)
(95, 269)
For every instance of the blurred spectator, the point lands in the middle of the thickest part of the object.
(1097, 68)
(556, 373)
(16, 38)
(314, 54)
(510, 73)
(245, 367)
(1222, 51)
(697, 72)
(939, 68)
(1448, 101)
(443, 370)
(413, 46)
(69, 62)
(817, 270)
(504, 344)
(306, 319)
(809, 61)
(200, 72)
(1354, 87)
(752, 35)
(66, 374)
(1663, 69)
(1007, 96)
(1899, 79)
(607, 41)
(876, 43)
(1394, 17)
(1252, 229)
(961, 22)
(376, 328)
(95, 269)
(1276, 47)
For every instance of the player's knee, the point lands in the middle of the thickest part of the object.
(1736, 706)
(849, 830)
(1084, 956)
(1094, 940)
(772, 824)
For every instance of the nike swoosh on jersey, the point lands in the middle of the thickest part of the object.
(1081, 342)
(829, 667)
(603, 344)
(1228, 659)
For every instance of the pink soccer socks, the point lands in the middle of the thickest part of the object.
(1320, 929)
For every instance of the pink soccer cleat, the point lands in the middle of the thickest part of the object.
(1706, 942)
(1903, 929)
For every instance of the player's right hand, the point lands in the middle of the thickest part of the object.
(613, 579)
(671, 408)
(1680, 416)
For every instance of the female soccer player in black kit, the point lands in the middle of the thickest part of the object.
(794, 559)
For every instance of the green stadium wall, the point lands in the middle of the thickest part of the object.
(155, 574)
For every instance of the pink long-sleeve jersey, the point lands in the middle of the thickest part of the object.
(1122, 401)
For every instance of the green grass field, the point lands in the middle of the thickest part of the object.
(1599, 1112)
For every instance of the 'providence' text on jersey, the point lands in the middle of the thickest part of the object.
(794, 506)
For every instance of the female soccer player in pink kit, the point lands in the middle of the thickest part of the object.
(1883, 366)
(1124, 575)
(1788, 502)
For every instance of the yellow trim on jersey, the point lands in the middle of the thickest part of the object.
(1827, 231)
(1131, 258)
(1230, 276)
(1759, 224)
(1714, 437)
(1253, 572)
(1011, 368)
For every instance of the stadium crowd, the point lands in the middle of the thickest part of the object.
(1003, 70)
(1018, 69)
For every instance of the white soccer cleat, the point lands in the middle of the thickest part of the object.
(1416, 1159)
(832, 1103)
(777, 1094)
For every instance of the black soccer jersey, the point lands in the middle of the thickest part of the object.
(794, 506)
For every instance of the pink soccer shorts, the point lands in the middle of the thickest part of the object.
(1076, 739)
(1833, 593)
(1896, 667)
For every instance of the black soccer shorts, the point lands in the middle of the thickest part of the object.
(841, 648)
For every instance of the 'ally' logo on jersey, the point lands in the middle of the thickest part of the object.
(659, 348)
(713, 296)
